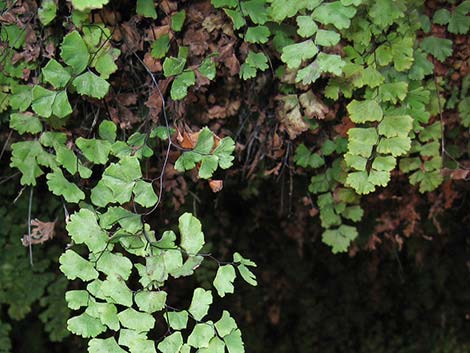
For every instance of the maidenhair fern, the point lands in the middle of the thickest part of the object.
(372, 57)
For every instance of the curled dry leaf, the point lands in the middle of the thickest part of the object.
(313, 106)
(216, 185)
(40, 233)
(290, 116)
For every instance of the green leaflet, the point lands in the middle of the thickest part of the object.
(85, 325)
(83, 228)
(225, 325)
(149, 301)
(306, 26)
(201, 335)
(200, 303)
(136, 320)
(177, 320)
(105, 312)
(91, 85)
(334, 13)
(60, 186)
(55, 74)
(293, 54)
(47, 12)
(177, 20)
(144, 194)
(192, 238)
(203, 152)
(224, 278)
(146, 8)
(438, 47)
(74, 51)
(160, 46)
(361, 112)
(77, 298)
(304, 158)
(179, 87)
(259, 34)
(395, 125)
(171, 343)
(98, 345)
(46, 103)
(245, 272)
(234, 342)
(254, 61)
(25, 123)
(75, 266)
(340, 238)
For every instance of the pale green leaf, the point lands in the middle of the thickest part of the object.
(62, 187)
(363, 111)
(160, 46)
(25, 122)
(77, 299)
(136, 320)
(201, 335)
(150, 302)
(74, 266)
(202, 299)
(128, 338)
(355, 161)
(61, 106)
(85, 325)
(173, 66)
(91, 85)
(144, 194)
(395, 125)
(396, 146)
(256, 10)
(47, 11)
(224, 278)
(105, 312)
(326, 38)
(385, 163)
(114, 264)
(108, 345)
(234, 342)
(107, 130)
(306, 26)
(393, 92)
(55, 74)
(334, 13)
(177, 320)
(192, 237)
(294, 54)
(207, 68)
(216, 345)
(180, 85)
(340, 238)
(225, 325)
(354, 213)
(84, 229)
(95, 150)
(171, 343)
(42, 102)
(116, 291)
(359, 181)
